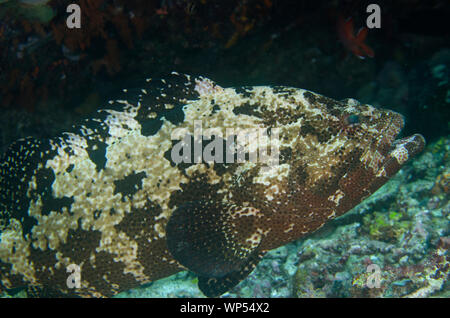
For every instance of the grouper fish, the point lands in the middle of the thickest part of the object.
(125, 201)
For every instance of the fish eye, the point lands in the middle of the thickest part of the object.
(352, 119)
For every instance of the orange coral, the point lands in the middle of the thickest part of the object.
(109, 28)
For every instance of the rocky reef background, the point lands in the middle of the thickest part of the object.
(51, 76)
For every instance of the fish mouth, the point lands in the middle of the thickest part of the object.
(405, 148)
(409, 146)
(400, 150)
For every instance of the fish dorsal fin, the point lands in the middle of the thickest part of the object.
(164, 97)
(156, 96)
(213, 287)
(143, 106)
(214, 239)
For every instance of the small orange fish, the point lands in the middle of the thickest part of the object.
(353, 43)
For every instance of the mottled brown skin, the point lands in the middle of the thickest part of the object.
(108, 197)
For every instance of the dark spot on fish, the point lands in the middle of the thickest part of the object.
(80, 244)
(306, 129)
(215, 108)
(44, 181)
(97, 153)
(281, 90)
(27, 225)
(70, 168)
(198, 188)
(247, 109)
(44, 264)
(114, 275)
(175, 115)
(139, 220)
(310, 97)
(150, 127)
(285, 155)
(139, 224)
(220, 169)
(329, 103)
(51, 204)
(244, 91)
(130, 184)
(326, 186)
(97, 214)
(298, 175)
(324, 135)
(346, 164)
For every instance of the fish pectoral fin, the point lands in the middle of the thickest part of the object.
(213, 287)
(214, 239)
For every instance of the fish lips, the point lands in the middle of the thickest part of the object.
(405, 148)
(398, 151)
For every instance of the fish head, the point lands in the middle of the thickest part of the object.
(333, 155)
(329, 156)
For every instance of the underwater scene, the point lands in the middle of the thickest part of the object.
(233, 149)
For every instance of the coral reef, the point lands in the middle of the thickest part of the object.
(35, 33)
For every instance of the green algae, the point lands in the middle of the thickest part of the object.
(386, 227)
